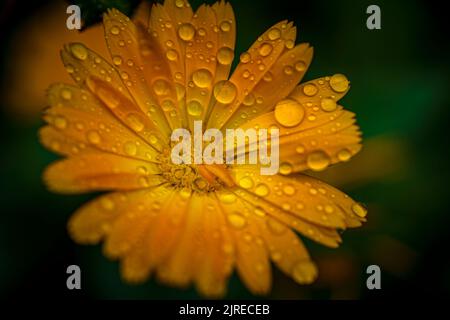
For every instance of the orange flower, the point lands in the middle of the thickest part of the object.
(196, 223)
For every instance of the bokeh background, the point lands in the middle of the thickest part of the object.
(400, 93)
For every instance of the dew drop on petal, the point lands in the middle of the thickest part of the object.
(289, 190)
(186, 31)
(300, 66)
(246, 183)
(225, 91)
(93, 137)
(60, 122)
(227, 197)
(225, 55)
(328, 104)
(262, 190)
(310, 89)
(359, 210)
(202, 78)
(318, 160)
(172, 55)
(135, 122)
(344, 155)
(79, 51)
(115, 30)
(237, 220)
(274, 34)
(289, 113)
(66, 94)
(339, 83)
(265, 49)
(285, 168)
(194, 108)
(130, 148)
(225, 26)
(245, 57)
(304, 272)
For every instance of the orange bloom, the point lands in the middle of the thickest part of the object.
(196, 223)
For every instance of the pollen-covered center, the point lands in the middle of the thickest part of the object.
(196, 177)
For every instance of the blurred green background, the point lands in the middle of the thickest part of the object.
(400, 85)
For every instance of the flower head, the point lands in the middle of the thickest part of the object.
(197, 223)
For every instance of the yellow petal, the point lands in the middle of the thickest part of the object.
(263, 53)
(252, 258)
(201, 43)
(100, 171)
(81, 62)
(79, 116)
(128, 47)
(133, 225)
(277, 83)
(90, 223)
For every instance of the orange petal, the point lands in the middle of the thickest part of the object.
(78, 115)
(201, 49)
(93, 221)
(252, 258)
(128, 50)
(100, 171)
(277, 83)
(264, 52)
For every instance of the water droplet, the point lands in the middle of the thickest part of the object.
(289, 44)
(274, 34)
(70, 68)
(117, 60)
(225, 26)
(225, 55)
(289, 113)
(161, 87)
(185, 193)
(288, 70)
(249, 100)
(276, 256)
(60, 122)
(300, 66)
(260, 212)
(237, 220)
(115, 30)
(276, 227)
(339, 83)
(172, 55)
(328, 104)
(268, 76)
(262, 190)
(66, 94)
(130, 148)
(227, 197)
(179, 3)
(93, 137)
(300, 149)
(265, 49)
(135, 122)
(107, 203)
(359, 210)
(225, 91)
(246, 183)
(285, 168)
(344, 155)
(186, 32)
(318, 160)
(202, 78)
(304, 272)
(201, 32)
(289, 190)
(79, 51)
(310, 89)
(245, 57)
(194, 108)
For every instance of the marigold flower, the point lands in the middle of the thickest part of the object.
(197, 223)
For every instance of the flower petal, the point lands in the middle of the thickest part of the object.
(129, 46)
(277, 83)
(315, 131)
(252, 258)
(263, 53)
(79, 116)
(100, 171)
(93, 221)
